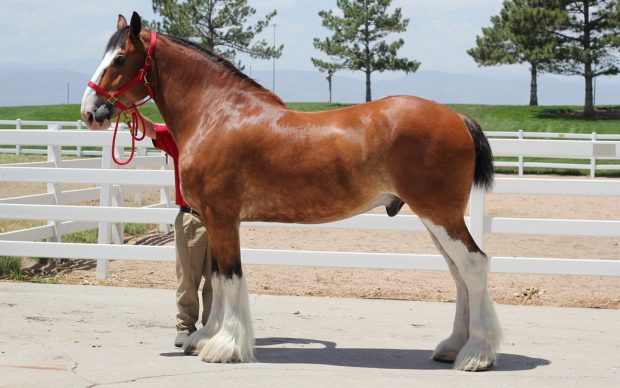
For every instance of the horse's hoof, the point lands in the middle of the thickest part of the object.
(448, 350)
(446, 357)
(475, 358)
(476, 365)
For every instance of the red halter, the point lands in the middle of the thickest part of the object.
(113, 98)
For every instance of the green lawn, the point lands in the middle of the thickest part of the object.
(65, 112)
(491, 117)
(565, 119)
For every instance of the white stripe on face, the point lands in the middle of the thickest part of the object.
(88, 99)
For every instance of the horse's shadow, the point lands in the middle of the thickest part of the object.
(275, 351)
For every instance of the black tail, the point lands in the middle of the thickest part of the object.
(483, 175)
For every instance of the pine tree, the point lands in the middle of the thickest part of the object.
(330, 66)
(219, 25)
(519, 34)
(358, 39)
(589, 36)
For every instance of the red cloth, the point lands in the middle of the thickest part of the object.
(165, 142)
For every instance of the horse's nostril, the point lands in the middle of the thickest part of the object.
(101, 113)
(89, 117)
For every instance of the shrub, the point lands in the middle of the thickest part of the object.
(11, 266)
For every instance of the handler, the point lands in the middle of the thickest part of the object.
(192, 249)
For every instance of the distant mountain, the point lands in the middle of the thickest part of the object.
(30, 86)
(38, 85)
(293, 85)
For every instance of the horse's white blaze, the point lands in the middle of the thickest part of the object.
(235, 339)
(90, 96)
(484, 331)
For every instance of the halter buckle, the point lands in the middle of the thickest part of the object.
(112, 99)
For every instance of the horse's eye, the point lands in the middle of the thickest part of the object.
(119, 61)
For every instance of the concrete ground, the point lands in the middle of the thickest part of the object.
(86, 336)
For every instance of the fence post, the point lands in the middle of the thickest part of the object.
(79, 148)
(54, 155)
(141, 151)
(118, 200)
(593, 159)
(476, 216)
(18, 147)
(521, 164)
(105, 199)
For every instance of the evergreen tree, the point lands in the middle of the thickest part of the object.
(330, 66)
(358, 38)
(219, 25)
(589, 36)
(519, 34)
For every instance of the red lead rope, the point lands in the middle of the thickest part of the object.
(136, 117)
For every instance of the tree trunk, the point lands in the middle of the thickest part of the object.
(534, 85)
(368, 93)
(588, 110)
(329, 80)
(368, 58)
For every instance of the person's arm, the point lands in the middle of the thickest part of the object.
(148, 128)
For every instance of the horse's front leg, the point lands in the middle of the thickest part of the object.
(234, 339)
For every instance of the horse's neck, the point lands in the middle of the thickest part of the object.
(191, 86)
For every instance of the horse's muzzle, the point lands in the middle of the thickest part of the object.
(101, 113)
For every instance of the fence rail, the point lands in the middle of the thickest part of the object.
(520, 164)
(58, 208)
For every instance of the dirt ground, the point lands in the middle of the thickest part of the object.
(547, 290)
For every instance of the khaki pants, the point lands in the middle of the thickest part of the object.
(192, 264)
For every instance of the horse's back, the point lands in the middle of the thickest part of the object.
(334, 164)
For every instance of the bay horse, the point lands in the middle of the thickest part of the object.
(245, 157)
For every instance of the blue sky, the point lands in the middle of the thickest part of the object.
(72, 34)
(40, 31)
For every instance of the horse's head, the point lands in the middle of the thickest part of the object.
(124, 58)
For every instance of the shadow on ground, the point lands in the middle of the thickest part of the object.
(602, 113)
(271, 350)
(311, 351)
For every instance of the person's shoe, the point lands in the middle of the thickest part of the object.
(181, 337)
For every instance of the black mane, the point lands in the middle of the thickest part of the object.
(119, 37)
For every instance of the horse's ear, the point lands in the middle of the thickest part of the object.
(121, 22)
(136, 24)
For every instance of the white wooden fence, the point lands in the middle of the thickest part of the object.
(63, 217)
(520, 164)
(600, 151)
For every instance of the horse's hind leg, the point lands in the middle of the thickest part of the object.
(471, 270)
(448, 349)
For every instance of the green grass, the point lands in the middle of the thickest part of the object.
(83, 237)
(566, 119)
(11, 266)
(90, 236)
(70, 112)
(45, 279)
(491, 117)
(132, 229)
